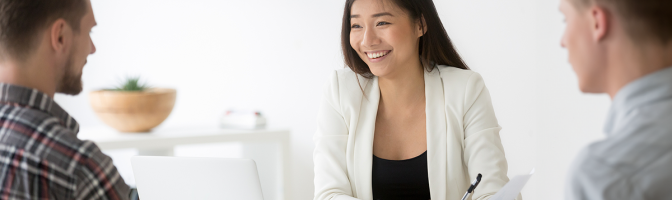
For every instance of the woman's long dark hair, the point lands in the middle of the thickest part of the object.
(435, 45)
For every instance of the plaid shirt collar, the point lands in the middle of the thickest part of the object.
(28, 97)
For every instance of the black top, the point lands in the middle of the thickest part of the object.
(400, 179)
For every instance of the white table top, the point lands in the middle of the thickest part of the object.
(108, 138)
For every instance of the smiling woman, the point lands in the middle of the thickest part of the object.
(433, 45)
(408, 119)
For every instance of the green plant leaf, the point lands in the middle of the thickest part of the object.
(131, 84)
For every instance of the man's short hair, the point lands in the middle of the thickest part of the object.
(643, 19)
(22, 20)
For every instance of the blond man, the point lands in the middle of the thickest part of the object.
(624, 48)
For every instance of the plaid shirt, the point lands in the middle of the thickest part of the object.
(41, 157)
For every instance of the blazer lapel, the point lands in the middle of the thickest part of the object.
(436, 134)
(364, 139)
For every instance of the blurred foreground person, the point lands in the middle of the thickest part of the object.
(624, 48)
(43, 49)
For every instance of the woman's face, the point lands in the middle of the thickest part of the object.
(384, 36)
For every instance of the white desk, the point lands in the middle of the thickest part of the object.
(268, 147)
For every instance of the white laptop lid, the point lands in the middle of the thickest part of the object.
(166, 178)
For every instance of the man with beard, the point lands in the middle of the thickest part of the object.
(43, 49)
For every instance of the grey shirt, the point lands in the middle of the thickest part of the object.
(635, 160)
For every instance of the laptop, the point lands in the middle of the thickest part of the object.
(167, 178)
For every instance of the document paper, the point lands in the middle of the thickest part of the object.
(511, 190)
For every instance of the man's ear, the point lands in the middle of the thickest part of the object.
(601, 23)
(60, 34)
(422, 26)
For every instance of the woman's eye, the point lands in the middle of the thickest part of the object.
(382, 23)
(355, 26)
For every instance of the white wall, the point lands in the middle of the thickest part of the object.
(275, 56)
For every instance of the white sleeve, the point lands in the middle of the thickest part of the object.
(483, 150)
(331, 176)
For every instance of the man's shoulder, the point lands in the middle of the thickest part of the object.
(36, 133)
(591, 177)
(632, 165)
(25, 116)
(627, 154)
(640, 142)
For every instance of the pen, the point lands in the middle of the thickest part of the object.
(473, 186)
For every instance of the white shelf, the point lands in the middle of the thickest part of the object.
(108, 139)
(268, 147)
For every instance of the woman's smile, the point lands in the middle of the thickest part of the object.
(377, 56)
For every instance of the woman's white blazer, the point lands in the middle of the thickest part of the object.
(462, 136)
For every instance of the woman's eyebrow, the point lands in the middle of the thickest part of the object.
(382, 14)
(374, 15)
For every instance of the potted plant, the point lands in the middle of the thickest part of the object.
(132, 106)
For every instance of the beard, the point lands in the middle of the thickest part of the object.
(71, 83)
